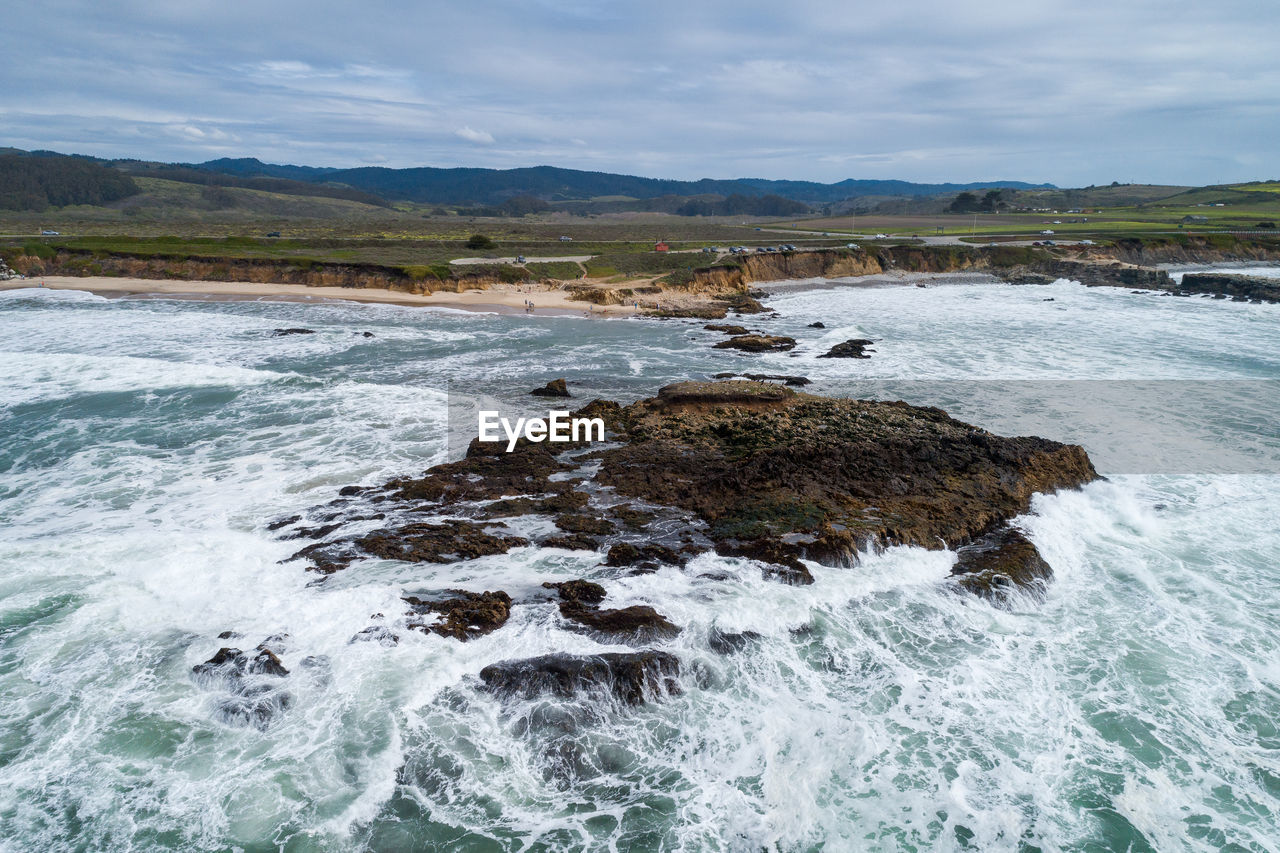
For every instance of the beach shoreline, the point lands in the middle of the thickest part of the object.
(493, 300)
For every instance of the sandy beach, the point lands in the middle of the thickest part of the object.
(508, 300)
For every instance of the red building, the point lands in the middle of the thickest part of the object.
(661, 246)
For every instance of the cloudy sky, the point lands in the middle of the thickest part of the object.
(933, 90)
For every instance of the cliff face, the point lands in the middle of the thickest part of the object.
(1190, 249)
(251, 270)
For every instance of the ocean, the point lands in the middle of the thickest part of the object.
(147, 444)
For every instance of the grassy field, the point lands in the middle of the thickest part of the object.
(1240, 211)
(174, 220)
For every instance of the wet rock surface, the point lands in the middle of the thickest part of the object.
(462, 615)
(636, 624)
(1001, 563)
(281, 333)
(854, 348)
(554, 388)
(629, 677)
(758, 343)
(579, 604)
(1238, 287)
(786, 379)
(727, 328)
(250, 683)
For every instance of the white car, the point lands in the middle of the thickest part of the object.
(882, 236)
(1046, 232)
(48, 233)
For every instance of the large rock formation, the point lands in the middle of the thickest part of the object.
(750, 470)
(744, 468)
(1239, 287)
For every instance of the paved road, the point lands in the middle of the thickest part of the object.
(527, 259)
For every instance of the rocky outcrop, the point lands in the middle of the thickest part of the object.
(579, 604)
(1000, 563)
(753, 470)
(758, 343)
(1239, 287)
(460, 614)
(824, 478)
(580, 591)
(281, 333)
(794, 381)
(554, 388)
(631, 678)
(854, 348)
(1089, 273)
(726, 328)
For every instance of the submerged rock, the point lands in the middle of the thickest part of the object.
(632, 677)
(1000, 563)
(248, 677)
(380, 634)
(280, 333)
(554, 388)
(728, 642)
(818, 325)
(758, 343)
(854, 348)
(230, 663)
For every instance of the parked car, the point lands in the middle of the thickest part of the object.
(882, 236)
(566, 239)
(47, 233)
(519, 259)
(273, 233)
(852, 246)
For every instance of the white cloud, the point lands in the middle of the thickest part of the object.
(479, 137)
(818, 89)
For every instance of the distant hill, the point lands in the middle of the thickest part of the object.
(484, 187)
(494, 186)
(35, 181)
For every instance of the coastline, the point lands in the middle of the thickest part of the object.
(493, 300)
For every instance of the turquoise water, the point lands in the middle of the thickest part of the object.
(148, 443)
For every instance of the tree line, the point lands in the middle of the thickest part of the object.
(29, 182)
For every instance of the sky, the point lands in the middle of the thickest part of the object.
(1073, 93)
